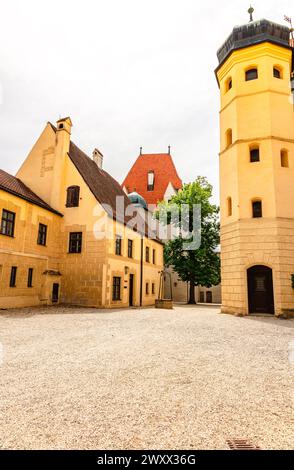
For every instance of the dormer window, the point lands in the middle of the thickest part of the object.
(251, 74)
(73, 196)
(150, 183)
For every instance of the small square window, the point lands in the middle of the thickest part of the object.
(277, 73)
(251, 74)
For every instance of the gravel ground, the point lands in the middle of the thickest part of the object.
(144, 379)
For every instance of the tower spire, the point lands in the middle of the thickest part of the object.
(251, 11)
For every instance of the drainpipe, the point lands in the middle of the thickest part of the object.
(141, 272)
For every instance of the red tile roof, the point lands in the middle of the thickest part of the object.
(15, 186)
(164, 173)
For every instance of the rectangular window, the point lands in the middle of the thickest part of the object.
(229, 206)
(153, 256)
(254, 155)
(75, 242)
(7, 223)
(118, 245)
(147, 254)
(73, 196)
(30, 277)
(13, 276)
(42, 235)
(153, 288)
(130, 248)
(256, 209)
(150, 184)
(116, 288)
(147, 288)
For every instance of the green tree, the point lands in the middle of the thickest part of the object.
(199, 266)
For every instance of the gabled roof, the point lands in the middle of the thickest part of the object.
(164, 173)
(102, 185)
(15, 186)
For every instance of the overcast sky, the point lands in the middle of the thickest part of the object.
(129, 73)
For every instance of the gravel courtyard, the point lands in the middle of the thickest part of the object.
(131, 379)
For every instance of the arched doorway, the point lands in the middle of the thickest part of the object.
(260, 290)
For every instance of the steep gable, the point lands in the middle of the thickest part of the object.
(165, 173)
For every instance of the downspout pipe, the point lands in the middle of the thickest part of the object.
(141, 271)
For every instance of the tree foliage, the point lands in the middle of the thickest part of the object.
(199, 266)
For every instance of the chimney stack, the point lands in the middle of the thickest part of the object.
(98, 158)
(169, 149)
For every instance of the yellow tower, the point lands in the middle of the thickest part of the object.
(257, 169)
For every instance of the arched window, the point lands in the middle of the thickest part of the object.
(254, 154)
(284, 158)
(229, 206)
(73, 196)
(229, 84)
(277, 72)
(251, 74)
(229, 137)
(256, 209)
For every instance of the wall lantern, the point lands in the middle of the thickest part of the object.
(292, 279)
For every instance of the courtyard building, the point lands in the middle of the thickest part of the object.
(63, 237)
(257, 169)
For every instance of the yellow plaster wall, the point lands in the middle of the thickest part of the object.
(258, 112)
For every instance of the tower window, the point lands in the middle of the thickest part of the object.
(284, 159)
(73, 196)
(150, 183)
(256, 209)
(254, 155)
(277, 73)
(229, 84)
(229, 206)
(229, 137)
(251, 74)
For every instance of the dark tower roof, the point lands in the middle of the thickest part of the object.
(253, 33)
